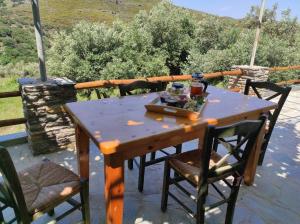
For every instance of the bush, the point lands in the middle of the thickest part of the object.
(172, 30)
(84, 52)
(156, 43)
(19, 69)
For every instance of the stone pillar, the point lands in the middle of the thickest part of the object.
(255, 73)
(49, 128)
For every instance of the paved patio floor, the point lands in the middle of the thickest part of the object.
(274, 198)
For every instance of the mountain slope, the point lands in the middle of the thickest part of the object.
(58, 13)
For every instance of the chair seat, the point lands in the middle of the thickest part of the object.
(47, 184)
(188, 164)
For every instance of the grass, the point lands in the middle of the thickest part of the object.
(10, 107)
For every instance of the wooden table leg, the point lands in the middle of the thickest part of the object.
(250, 171)
(83, 150)
(114, 191)
(201, 138)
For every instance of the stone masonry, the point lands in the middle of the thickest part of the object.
(255, 73)
(49, 128)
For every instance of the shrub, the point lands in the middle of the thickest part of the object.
(19, 69)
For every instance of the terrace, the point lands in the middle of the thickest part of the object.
(273, 198)
(95, 139)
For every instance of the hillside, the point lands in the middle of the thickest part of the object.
(17, 42)
(58, 13)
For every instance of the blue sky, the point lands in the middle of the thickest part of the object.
(236, 8)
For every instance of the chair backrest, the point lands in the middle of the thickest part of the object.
(236, 154)
(275, 92)
(10, 188)
(144, 86)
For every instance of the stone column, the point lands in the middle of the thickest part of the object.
(255, 73)
(49, 128)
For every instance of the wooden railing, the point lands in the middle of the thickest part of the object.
(10, 122)
(171, 78)
(276, 69)
(14, 121)
(115, 83)
(10, 94)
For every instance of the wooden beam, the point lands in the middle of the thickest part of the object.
(286, 68)
(10, 122)
(289, 82)
(10, 94)
(171, 78)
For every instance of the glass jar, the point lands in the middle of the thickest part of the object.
(177, 88)
(198, 85)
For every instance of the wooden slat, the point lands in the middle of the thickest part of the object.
(10, 122)
(294, 67)
(10, 94)
(289, 82)
(235, 89)
(171, 78)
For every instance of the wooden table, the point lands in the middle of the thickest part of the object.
(123, 129)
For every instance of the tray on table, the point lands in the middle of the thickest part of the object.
(157, 106)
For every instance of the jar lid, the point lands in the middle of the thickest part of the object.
(197, 75)
(177, 85)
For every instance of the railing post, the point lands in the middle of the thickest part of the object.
(39, 39)
(261, 13)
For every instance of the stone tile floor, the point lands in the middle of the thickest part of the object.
(274, 198)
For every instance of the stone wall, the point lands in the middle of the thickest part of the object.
(49, 128)
(255, 73)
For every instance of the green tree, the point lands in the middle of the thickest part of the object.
(285, 28)
(172, 30)
(2, 3)
(83, 53)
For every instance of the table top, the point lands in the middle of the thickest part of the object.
(115, 121)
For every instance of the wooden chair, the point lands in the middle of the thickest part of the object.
(204, 167)
(145, 87)
(39, 189)
(276, 91)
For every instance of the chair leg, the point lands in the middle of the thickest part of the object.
(232, 200)
(178, 151)
(153, 154)
(51, 212)
(130, 164)
(1, 215)
(142, 173)
(178, 148)
(85, 205)
(165, 189)
(262, 154)
(202, 193)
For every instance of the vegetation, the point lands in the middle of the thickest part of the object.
(17, 41)
(171, 40)
(166, 40)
